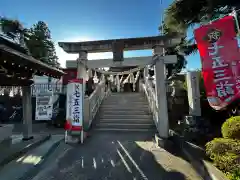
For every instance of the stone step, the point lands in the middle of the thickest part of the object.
(125, 116)
(124, 121)
(115, 109)
(125, 125)
(127, 112)
(130, 96)
(124, 130)
(124, 106)
(126, 94)
(126, 98)
(119, 101)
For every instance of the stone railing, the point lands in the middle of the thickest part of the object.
(176, 100)
(147, 88)
(92, 104)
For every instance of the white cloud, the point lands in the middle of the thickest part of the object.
(63, 56)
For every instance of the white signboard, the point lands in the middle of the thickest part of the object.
(44, 106)
(75, 103)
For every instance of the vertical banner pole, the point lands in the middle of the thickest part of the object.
(81, 117)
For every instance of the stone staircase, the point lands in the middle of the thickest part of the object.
(125, 112)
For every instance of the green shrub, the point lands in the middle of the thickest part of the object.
(233, 176)
(222, 145)
(227, 162)
(225, 153)
(231, 128)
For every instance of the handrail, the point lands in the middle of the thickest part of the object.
(150, 94)
(92, 104)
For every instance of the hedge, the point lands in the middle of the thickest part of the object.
(225, 154)
(223, 145)
(231, 128)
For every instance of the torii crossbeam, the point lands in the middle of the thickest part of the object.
(118, 46)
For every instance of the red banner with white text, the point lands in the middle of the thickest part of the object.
(219, 51)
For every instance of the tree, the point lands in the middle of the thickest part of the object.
(173, 69)
(10, 27)
(40, 44)
(182, 14)
(37, 39)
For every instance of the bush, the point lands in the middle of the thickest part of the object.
(222, 145)
(231, 128)
(234, 176)
(225, 153)
(227, 162)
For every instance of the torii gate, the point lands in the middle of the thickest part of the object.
(118, 46)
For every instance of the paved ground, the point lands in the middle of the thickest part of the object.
(23, 166)
(115, 156)
(9, 151)
(39, 128)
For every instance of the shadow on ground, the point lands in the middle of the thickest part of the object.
(195, 156)
(117, 156)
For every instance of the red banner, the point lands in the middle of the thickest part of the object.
(219, 51)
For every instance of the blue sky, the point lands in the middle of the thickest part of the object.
(81, 20)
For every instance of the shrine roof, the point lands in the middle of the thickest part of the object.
(4, 39)
(14, 59)
(127, 43)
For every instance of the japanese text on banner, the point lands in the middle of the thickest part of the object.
(76, 104)
(219, 51)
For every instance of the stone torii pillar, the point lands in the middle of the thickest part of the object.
(161, 96)
(81, 69)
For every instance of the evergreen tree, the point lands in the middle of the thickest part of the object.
(37, 39)
(182, 14)
(41, 45)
